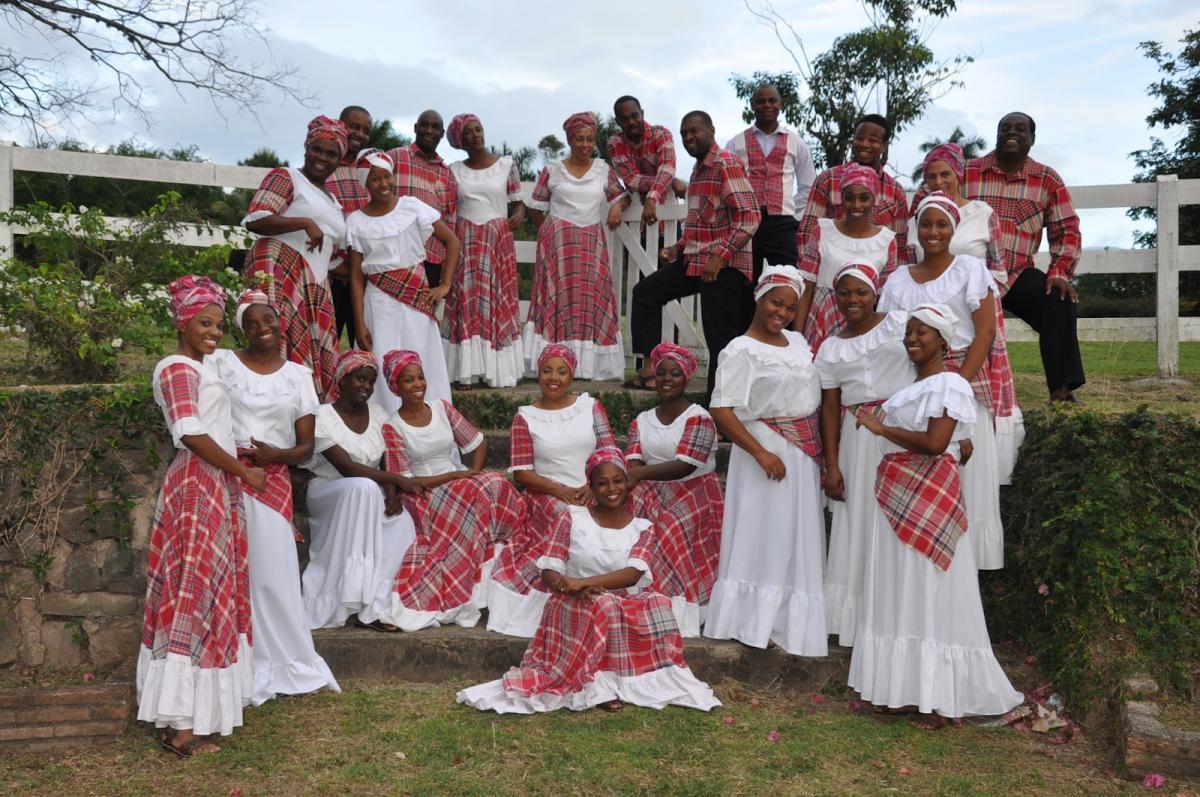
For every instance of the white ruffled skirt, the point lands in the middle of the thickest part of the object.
(669, 686)
(474, 359)
(596, 361)
(174, 693)
(769, 585)
(981, 494)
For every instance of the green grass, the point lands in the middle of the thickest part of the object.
(415, 740)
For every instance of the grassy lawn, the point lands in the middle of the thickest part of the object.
(415, 740)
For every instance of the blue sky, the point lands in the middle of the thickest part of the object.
(524, 66)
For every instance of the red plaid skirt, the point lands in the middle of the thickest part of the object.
(483, 303)
(921, 497)
(457, 525)
(823, 320)
(687, 529)
(572, 297)
(623, 634)
(308, 334)
(407, 286)
(197, 580)
(804, 433)
(515, 567)
(981, 384)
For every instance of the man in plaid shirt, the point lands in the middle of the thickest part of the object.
(712, 257)
(420, 172)
(643, 156)
(1027, 197)
(345, 188)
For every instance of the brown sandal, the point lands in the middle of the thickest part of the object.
(612, 706)
(929, 722)
(189, 748)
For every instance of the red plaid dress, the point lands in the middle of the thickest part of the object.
(647, 167)
(197, 582)
(305, 307)
(825, 202)
(429, 180)
(722, 214)
(921, 496)
(343, 184)
(686, 514)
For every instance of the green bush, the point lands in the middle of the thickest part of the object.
(1102, 553)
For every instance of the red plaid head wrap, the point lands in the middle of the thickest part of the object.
(455, 130)
(577, 121)
(394, 363)
(775, 276)
(859, 270)
(371, 159)
(350, 361)
(952, 154)
(249, 296)
(322, 128)
(190, 295)
(558, 350)
(937, 316)
(603, 455)
(939, 200)
(857, 174)
(673, 351)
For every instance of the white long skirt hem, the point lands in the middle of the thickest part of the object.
(512, 613)
(596, 362)
(669, 686)
(757, 615)
(292, 678)
(464, 616)
(475, 360)
(174, 693)
(1010, 434)
(981, 494)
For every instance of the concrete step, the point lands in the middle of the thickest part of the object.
(475, 654)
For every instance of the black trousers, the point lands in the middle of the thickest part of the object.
(720, 308)
(343, 308)
(774, 242)
(1053, 318)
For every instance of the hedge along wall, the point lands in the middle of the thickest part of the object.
(1102, 559)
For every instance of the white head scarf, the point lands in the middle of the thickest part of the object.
(368, 159)
(776, 276)
(937, 316)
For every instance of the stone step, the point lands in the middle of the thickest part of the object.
(475, 654)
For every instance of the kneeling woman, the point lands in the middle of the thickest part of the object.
(769, 581)
(460, 520)
(360, 531)
(672, 459)
(922, 641)
(601, 641)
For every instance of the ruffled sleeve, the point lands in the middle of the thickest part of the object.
(395, 451)
(514, 183)
(642, 553)
(179, 385)
(735, 377)
(633, 447)
(978, 283)
(557, 544)
(275, 193)
(946, 393)
(425, 215)
(826, 370)
(540, 198)
(307, 399)
(327, 427)
(698, 440)
(520, 445)
(466, 436)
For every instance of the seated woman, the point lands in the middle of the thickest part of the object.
(274, 413)
(672, 461)
(769, 580)
(393, 303)
(358, 526)
(551, 442)
(860, 367)
(601, 641)
(922, 642)
(462, 517)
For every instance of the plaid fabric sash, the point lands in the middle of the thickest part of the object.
(277, 493)
(981, 384)
(804, 433)
(406, 285)
(859, 411)
(921, 497)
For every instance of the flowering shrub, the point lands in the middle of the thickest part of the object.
(83, 291)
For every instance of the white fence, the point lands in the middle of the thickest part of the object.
(681, 320)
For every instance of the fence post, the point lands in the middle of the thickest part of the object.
(6, 194)
(1167, 278)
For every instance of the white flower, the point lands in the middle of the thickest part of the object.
(83, 208)
(117, 343)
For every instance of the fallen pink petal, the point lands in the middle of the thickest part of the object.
(818, 699)
(727, 720)
(855, 705)
(1154, 781)
(87, 676)
(1043, 589)
(773, 736)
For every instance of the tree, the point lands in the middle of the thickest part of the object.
(550, 148)
(386, 137)
(523, 158)
(606, 126)
(263, 157)
(887, 67)
(212, 47)
(972, 147)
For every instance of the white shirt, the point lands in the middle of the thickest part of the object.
(365, 449)
(758, 380)
(970, 236)
(483, 193)
(311, 202)
(871, 367)
(582, 201)
(596, 551)
(660, 442)
(213, 408)
(912, 408)
(431, 447)
(961, 287)
(266, 406)
(562, 440)
(797, 166)
(393, 240)
(837, 249)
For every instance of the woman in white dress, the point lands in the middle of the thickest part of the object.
(978, 234)
(922, 644)
(963, 283)
(358, 525)
(860, 367)
(551, 441)
(274, 413)
(573, 302)
(393, 303)
(769, 581)
(604, 638)
(831, 243)
(481, 323)
(464, 515)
